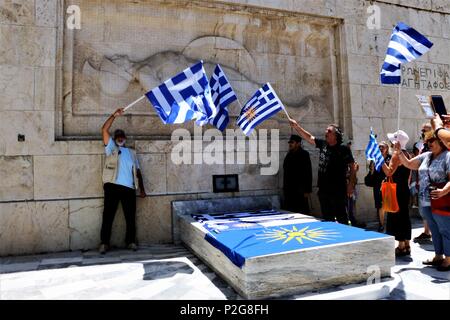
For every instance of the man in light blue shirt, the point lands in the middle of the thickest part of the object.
(126, 160)
(121, 178)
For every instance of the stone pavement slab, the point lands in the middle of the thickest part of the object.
(170, 272)
(157, 272)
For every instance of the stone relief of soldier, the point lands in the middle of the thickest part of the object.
(115, 73)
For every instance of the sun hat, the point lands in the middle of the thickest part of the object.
(400, 136)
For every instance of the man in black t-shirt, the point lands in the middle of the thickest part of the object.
(334, 161)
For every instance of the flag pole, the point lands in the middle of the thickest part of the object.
(399, 106)
(133, 103)
(284, 108)
(285, 111)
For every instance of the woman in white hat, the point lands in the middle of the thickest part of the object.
(398, 224)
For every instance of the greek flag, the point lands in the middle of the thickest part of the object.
(263, 105)
(406, 45)
(185, 97)
(373, 152)
(222, 95)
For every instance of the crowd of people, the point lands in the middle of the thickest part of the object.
(422, 180)
(423, 175)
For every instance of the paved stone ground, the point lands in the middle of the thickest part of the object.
(157, 272)
(171, 272)
(413, 280)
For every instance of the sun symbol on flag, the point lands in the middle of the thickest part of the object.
(287, 235)
(250, 114)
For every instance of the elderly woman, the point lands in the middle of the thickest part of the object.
(434, 167)
(398, 224)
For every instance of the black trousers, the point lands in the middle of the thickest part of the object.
(296, 202)
(113, 195)
(333, 207)
(399, 224)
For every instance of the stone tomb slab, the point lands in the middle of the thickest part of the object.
(289, 256)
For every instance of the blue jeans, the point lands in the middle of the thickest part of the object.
(443, 223)
(440, 230)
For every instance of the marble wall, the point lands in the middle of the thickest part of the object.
(57, 87)
(124, 50)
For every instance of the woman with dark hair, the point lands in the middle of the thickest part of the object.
(434, 167)
(377, 178)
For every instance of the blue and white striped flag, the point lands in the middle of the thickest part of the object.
(222, 95)
(187, 96)
(406, 45)
(373, 152)
(263, 105)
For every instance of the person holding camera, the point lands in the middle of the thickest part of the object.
(434, 170)
(398, 224)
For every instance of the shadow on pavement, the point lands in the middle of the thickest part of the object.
(165, 269)
(438, 277)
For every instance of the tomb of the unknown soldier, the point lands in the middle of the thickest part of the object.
(235, 151)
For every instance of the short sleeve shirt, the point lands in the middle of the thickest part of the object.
(438, 171)
(333, 166)
(126, 162)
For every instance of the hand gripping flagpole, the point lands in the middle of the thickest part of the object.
(133, 103)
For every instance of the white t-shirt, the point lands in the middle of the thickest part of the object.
(125, 164)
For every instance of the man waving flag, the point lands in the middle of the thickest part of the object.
(263, 105)
(187, 96)
(222, 95)
(373, 152)
(406, 45)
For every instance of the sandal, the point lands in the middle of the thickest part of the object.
(408, 250)
(433, 262)
(443, 269)
(401, 252)
(422, 237)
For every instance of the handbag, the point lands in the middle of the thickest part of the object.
(389, 196)
(369, 180)
(439, 206)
